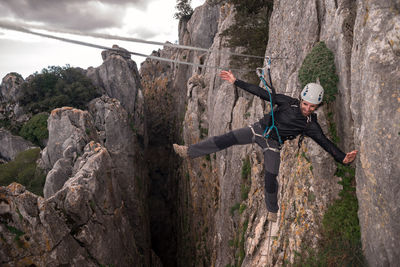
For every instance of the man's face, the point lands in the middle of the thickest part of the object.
(307, 108)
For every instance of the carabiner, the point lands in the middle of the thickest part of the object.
(260, 72)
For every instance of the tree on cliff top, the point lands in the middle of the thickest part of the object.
(185, 11)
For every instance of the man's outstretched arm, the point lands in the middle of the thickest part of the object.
(316, 133)
(251, 88)
(350, 157)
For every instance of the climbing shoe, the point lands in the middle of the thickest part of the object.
(181, 150)
(272, 216)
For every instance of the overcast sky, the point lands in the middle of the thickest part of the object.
(25, 53)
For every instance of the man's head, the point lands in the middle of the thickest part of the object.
(311, 97)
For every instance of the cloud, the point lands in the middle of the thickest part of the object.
(80, 15)
(144, 33)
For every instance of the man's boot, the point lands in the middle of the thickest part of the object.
(181, 150)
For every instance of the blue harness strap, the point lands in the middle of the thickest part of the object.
(268, 130)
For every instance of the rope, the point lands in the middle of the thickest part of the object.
(261, 75)
(269, 238)
(5, 24)
(21, 29)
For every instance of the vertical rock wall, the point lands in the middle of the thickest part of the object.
(375, 91)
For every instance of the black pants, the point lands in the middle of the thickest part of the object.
(243, 136)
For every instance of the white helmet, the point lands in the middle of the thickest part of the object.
(313, 93)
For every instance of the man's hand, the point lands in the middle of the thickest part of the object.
(227, 76)
(350, 157)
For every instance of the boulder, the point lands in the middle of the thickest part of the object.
(11, 145)
(10, 87)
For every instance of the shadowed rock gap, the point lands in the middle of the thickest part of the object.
(164, 111)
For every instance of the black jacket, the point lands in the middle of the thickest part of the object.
(290, 121)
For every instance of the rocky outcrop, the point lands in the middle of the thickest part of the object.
(94, 211)
(74, 226)
(118, 77)
(11, 145)
(12, 115)
(69, 131)
(10, 87)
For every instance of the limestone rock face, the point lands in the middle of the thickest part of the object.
(200, 27)
(34, 232)
(11, 145)
(375, 91)
(69, 131)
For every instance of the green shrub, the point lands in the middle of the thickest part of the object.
(341, 228)
(242, 252)
(341, 239)
(17, 232)
(332, 129)
(234, 208)
(35, 130)
(245, 189)
(320, 64)
(246, 168)
(57, 87)
(242, 208)
(11, 125)
(23, 170)
(185, 11)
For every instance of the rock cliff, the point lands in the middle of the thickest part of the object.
(11, 145)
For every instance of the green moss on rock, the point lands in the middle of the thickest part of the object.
(320, 64)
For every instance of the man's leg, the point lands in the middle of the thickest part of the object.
(271, 166)
(216, 143)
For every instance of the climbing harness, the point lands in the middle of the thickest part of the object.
(271, 92)
(277, 150)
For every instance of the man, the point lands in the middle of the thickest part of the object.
(292, 117)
